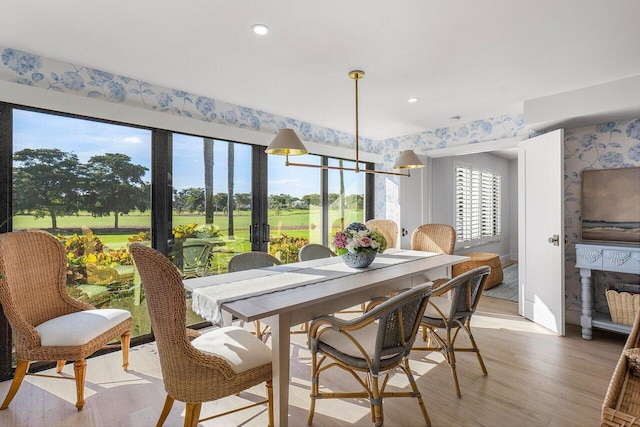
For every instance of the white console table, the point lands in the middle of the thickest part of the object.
(618, 258)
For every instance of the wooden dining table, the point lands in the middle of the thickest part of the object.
(287, 295)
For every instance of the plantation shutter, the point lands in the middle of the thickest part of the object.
(477, 203)
(490, 204)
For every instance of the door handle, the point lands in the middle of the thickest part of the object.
(555, 240)
(267, 233)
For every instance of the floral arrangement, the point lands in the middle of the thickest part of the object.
(358, 238)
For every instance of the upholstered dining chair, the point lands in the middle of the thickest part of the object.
(375, 343)
(248, 261)
(388, 228)
(451, 315)
(439, 238)
(216, 364)
(313, 251)
(47, 323)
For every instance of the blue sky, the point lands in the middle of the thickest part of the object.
(87, 138)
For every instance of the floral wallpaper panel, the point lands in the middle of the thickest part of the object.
(603, 146)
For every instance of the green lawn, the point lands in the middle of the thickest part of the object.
(292, 222)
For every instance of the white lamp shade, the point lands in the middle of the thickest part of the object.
(286, 142)
(408, 160)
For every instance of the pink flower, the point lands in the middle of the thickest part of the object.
(340, 240)
(365, 242)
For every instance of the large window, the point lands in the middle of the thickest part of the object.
(99, 186)
(87, 183)
(477, 203)
(211, 211)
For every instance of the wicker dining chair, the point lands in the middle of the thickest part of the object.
(440, 238)
(451, 315)
(312, 251)
(388, 228)
(377, 342)
(216, 364)
(47, 323)
(249, 261)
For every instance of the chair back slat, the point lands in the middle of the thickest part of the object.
(313, 251)
(466, 292)
(399, 320)
(388, 228)
(251, 260)
(439, 238)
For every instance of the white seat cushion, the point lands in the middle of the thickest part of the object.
(237, 346)
(443, 303)
(79, 328)
(366, 336)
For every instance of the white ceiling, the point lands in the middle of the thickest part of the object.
(475, 59)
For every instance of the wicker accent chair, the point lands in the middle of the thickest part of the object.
(195, 256)
(375, 343)
(388, 228)
(452, 314)
(440, 238)
(47, 323)
(312, 251)
(216, 364)
(248, 261)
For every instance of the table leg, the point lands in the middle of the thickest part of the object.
(280, 348)
(587, 303)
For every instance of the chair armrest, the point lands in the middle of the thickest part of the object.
(374, 302)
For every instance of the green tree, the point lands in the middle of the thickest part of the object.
(115, 186)
(189, 199)
(243, 200)
(46, 183)
(220, 201)
(312, 199)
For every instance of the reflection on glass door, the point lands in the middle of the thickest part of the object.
(295, 208)
(211, 204)
(346, 196)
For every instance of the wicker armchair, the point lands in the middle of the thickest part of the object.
(388, 228)
(452, 314)
(375, 343)
(439, 238)
(219, 363)
(314, 251)
(195, 256)
(248, 261)
(47, 323)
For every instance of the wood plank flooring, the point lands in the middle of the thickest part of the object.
(535, 379)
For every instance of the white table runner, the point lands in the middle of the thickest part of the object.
(209, 293)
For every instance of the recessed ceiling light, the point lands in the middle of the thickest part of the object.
(260, 29)
(412, 100)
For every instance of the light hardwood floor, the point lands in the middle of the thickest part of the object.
(535, 379)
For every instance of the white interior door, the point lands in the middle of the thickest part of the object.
(414, 195)
(541, 230)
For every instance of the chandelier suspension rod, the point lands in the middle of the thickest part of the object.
(339, 168)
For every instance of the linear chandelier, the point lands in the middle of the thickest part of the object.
(288, 144)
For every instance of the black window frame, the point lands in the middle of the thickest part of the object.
(161, 202)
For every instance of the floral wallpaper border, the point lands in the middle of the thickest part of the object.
(37, 71)
(33, 70)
